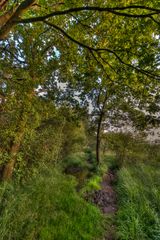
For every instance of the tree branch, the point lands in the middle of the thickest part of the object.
(5, 29)
(80, 22)
(17, 13)
(154, 20)
(6, 16)
(13, 55)
(114, 10)
(3, 4)
(145, 72)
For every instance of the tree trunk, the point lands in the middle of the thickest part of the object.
(8, 20)
(98, 139)
(3, 3)
(9, 167)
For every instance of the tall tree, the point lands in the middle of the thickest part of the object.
(75, 42)
(25, 67)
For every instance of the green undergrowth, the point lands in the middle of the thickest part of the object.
(138, 189)
(85, 159)
(110, 161)
(78, 159)
(93, 183)
(83, 166)
(47, 208)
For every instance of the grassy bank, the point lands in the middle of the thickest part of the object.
(47, 208)
(139, 202)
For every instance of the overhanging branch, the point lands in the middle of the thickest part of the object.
(115, 10)
(101, 50)
(120, 11)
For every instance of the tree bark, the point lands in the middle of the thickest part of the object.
(98, 138)
(9, 167)
(8, 20)
(3, 3)
(98, 135)
(5, 17)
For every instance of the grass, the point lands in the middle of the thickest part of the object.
(47, 208)
(139, 203)
(93, 182)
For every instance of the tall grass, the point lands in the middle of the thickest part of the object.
(139, 203)
(47, 208)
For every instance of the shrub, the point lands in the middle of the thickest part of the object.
(78, 159)
(129, 149)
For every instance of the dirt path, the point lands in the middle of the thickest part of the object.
(107, 201)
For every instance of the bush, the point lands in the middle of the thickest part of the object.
(129, 149)
(78, 159)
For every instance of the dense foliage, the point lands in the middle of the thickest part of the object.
(69, 72)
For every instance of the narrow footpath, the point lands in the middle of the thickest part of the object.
(106, 200)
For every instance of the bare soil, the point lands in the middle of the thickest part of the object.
(106, 200)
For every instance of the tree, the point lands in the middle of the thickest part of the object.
(24, 69)
(122, 15)
(70, 42)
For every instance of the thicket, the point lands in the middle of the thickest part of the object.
(56, 62)
(42, 201)
(130, 149)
